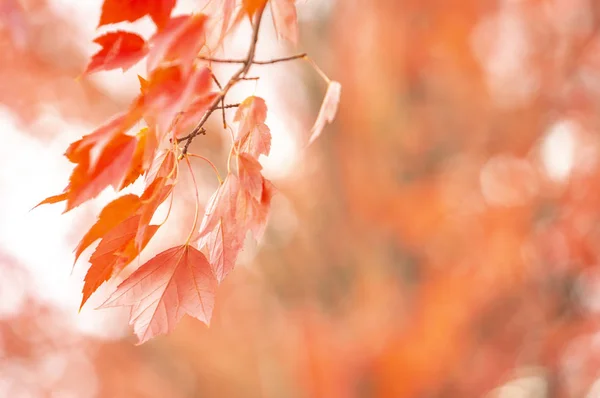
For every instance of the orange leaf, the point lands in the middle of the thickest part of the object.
(285, 19)
(53, 199)
(111, 215)
(192, 114)
(94, 155)
(144, 150)
(160, 186)
(178, 43)
(163, 166)
(120, 49)
(252, 6)
(328, 110)
(80, 150)
(114, 252)
(114, 11)
(175, 282)
(86, 182)
(167, 92)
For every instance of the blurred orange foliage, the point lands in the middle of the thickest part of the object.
(448, 233)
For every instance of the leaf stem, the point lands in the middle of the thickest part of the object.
(319, 71)
(189, 238)
(209, 162)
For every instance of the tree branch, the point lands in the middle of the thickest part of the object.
(227, 106)
(243, 61)
(237, 76)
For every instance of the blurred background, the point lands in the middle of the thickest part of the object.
(441, 239)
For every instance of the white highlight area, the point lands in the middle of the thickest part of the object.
(43, 239)
(558, 150)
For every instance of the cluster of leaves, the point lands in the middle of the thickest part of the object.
(175, 101)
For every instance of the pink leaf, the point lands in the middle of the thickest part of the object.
(328, 110)
(285, 19)
(175, 282)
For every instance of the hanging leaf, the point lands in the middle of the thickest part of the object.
(328, 110)
(120, 49)
(114, 11)
(173, 283)
(285, 19)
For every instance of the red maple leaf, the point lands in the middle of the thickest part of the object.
(142, 157)
(179, 43)
(88, 180)
(173, 283)
(192, 114)
(169, 91)
(120, 49)
(111, 215)
(116, 249)
(114, 11)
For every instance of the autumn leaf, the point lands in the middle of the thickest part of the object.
(160, 181)
(223, 245)
(111, 215)
(189, 118)
(249, 174)
(163, 166)
(227, 7)
(328, 110)
(120, 49)
(253, 135)
(249, 8)
(142, 156)
(169, 91)
(53, 199)
(252, 6)
(99, 138)
(86, 183)
(179, 43)
(114, 11)
(173, 283)
(285, 19)
(221, 205)
(116, 249)
(241, 204)
(259, 210)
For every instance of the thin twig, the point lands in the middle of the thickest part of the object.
(188, 139)
(242, 61)
(237, 76)
(228, 106)
(222, 99)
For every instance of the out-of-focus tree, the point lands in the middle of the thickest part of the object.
(440, 239)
